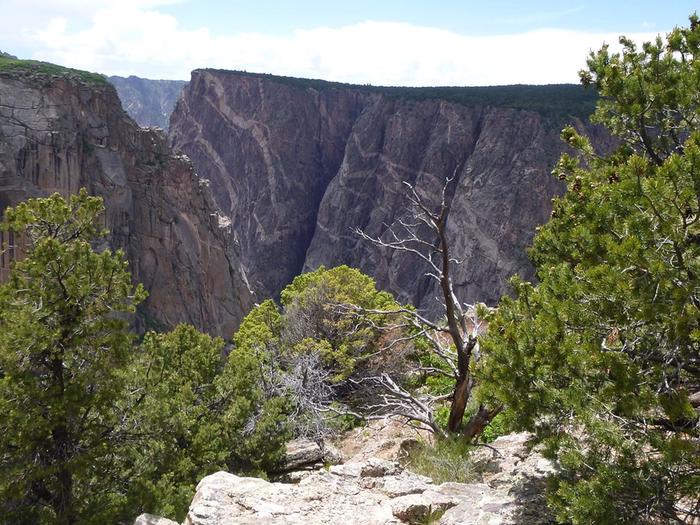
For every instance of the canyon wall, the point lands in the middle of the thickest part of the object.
(66, 130)
(148, 102)
(300, 164)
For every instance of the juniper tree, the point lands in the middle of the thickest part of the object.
(63, 349)
(602, 358)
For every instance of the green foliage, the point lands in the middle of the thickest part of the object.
(313, 320)
(601, 356)
(63, 349)
(309, 320)
(95, 428)
(558, 101)
(498, 426)
(201, 414)
(312, 344)
(15, 65)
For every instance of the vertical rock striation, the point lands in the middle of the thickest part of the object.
(299, 164)
(270, 151)
(61, 132)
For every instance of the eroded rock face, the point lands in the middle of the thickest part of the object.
(380, 492)
(270, 151)
(148, 102)
(299, 166)
(58, 134)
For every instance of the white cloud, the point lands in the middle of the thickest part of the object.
(135, 38)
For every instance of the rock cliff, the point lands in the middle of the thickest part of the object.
(148, 102)
(61, 130)
(299, 164)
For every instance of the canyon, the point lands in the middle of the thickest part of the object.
(299, 165)
(262, 177)
(148, 102)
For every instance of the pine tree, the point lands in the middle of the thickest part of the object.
(602, 358)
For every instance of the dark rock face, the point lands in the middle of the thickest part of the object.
(298, 167)
(60, 134)
(270, 151)
(148, 102)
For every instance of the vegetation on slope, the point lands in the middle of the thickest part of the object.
(558, 101)
(11, 64)
(96, 426)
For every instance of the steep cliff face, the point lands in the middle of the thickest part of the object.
(60, 132)
(501, 159)
(270, 151)
(300, 164)
(148, 102)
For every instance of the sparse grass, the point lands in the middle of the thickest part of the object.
(446, 460)
(45, 68)
(432, 517)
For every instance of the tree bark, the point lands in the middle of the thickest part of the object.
(459, 405)
(478, 422)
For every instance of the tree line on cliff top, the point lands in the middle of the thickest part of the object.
(599, 359)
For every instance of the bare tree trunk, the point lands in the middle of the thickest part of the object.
(459, 405)
(479, 421)
(435, 252)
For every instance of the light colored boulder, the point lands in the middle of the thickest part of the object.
(304, 454)
(373, 491)
(151, 519)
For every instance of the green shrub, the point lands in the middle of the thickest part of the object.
(46, 68)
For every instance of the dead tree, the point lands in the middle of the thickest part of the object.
(455, 339)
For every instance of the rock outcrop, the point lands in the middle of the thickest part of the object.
(148, 102)
(299, 164)
(380, 492)
(63, 131)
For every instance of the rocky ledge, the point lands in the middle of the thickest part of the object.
(508, 489)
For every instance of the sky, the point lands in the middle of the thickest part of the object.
(379, 42)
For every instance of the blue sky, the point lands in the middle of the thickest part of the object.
(474, 17)
(391, 42)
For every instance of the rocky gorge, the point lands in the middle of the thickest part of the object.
(300, 164)
(261, 178)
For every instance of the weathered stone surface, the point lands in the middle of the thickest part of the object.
(380, 438)
(303, 454)
(150, 519)
(58, 134)
(419, 508)
(299, 165)
(380, 492)
(516, 479)
(321, 498)
(148, 102)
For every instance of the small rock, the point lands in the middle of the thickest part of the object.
(376, 468)
(302, 453)
(151, 519)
